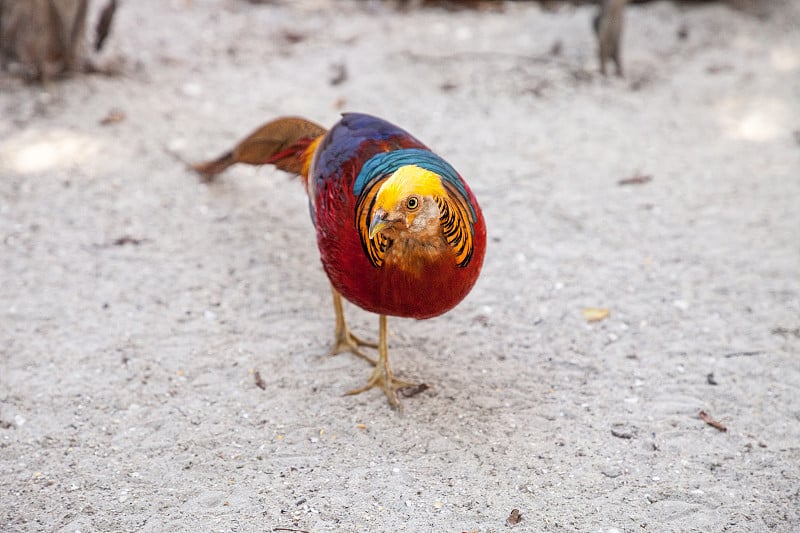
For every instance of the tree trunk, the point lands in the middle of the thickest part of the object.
(46, 37)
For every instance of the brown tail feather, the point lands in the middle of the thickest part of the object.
(208, 170)
(283, 142)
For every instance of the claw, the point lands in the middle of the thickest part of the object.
(382, 375)
(387, 383)
(347, 342)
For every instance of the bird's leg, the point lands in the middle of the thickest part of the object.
(344, 340)
(382, 375)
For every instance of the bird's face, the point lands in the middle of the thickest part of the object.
(406, 204)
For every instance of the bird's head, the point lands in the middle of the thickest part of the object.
(406, 202)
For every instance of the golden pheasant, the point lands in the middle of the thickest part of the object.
(399, 231)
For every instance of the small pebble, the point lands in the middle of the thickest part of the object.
(192, 89)
(177, 144)
(681, 304)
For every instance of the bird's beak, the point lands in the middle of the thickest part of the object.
(378, 223)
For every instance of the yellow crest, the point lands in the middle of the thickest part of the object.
(407, 180)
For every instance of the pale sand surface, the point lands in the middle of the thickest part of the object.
(127, 392)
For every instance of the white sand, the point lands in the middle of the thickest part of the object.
(127, 392)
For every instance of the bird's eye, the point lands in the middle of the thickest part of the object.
(412, 203)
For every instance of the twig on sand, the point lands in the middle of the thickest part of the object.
(705, 417)
(622, 433)
(744, 354)
(785, 332)
(636, 179)
(127, 239)
(259, 380)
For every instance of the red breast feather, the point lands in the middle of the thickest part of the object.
(435, 284)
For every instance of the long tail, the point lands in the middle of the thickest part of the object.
(288, 143)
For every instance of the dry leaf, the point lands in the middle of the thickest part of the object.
(514, 518)
(595, 314)
(412, 390)
(113, 117)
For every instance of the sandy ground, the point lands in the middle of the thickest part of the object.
(137, 303)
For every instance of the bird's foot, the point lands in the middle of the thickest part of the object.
(383, 379)
(347, 342)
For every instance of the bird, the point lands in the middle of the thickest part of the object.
(399, 231)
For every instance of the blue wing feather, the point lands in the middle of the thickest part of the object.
(356, 137)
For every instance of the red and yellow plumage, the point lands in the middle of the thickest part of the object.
(399, 231)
